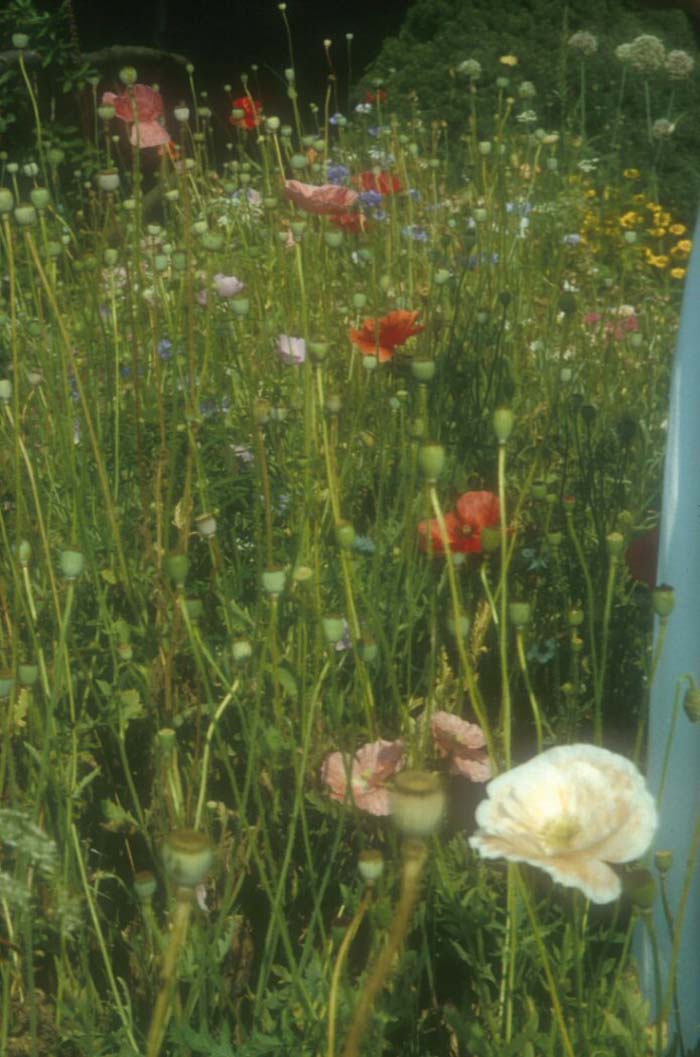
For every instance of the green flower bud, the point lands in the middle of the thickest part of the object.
(128, 75)
(640, 886)
(370, 865)
(145, 886)
(616, 544)
(333, 628)
(663, 599)
(187, 857)
(663, 860)
(273, 581)
(423, 370)
(345, 534)
(431, 459)
(417, 802)
(71, 563)
(691, 704)
(519, 613)
(503, 424)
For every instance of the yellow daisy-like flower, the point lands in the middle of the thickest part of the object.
(677, 273)
(663, 219)
(678, 229)
(684, 246)
(630, 220)
(591, 192)
(657, 233)
(661, 261)
(631, 174)
(509, 60)
(639, 199)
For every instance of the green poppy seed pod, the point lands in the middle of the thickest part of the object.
(480, 215)
(181, 114)
(640, 886)
(145, 886)
(615, 543)
(20, 41)
(5, 390)
(345, 534)
(333, 239)
(179, 261)
(7, 200)
(459, 628)
(333, 628)
(177, 566)
(663, 599)
(24, 552)
(519, 613)
(71, 563)
(206, 526)
(370, 865)
(359, 300)
(575, 618)
(273, 581)
(298, 227)
(554, 539)
(212, 240)
(490, 539)
(691, 704)
(333, 404)
(539, 489)
(270, 203)
(194, 608)
(188, 857)
(25, 215)
(53, 249)
(240, 306)
(368, 649)
(125, 651)
(6, 684)
(370, 363)
(39, 197)
(128, 75)
(663, 860)
(423, 370)
(106, 112)
(298, 162)
(302, 574)
(485, 147)
(318, 350)
(417, 428)
(442, 275)
(417, 802)
(28, 674)
(160, 262)
(503, 424)
(431, 459)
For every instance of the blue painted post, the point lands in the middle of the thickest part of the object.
(679, 566)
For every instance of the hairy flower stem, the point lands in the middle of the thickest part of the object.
(522, 659)
(599, 683)
(414, 859)
(161, 1013)
(349, 936)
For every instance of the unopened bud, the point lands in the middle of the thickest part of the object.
(431, 459)
(503, 424)
(663, 599)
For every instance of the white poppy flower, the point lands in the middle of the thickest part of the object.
(570, 811)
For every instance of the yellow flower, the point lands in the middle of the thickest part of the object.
(639, 199)
(509, 60)
(660, 262)
(657, 233)
(630, 220)
(678, 229)
(684, 246)
(591, 192)
(664, 219)
(631, 174)
(677, 273)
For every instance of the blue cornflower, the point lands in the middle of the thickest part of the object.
(415, 232)
(370, 198)
(572, 240)
(338, 174)
(165, 349)
(364, 545)
(379, 214)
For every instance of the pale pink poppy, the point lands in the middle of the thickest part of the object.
(570, 811)
(227, 285)
(291, 350)
(323, 199)
(464, 743)
(368, 770)
(140, 106)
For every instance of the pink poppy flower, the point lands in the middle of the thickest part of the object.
(140, 107)
(327, 199)
(465, 743)
(227, 285)
(371, 766)
(291, 350)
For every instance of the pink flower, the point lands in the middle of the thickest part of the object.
(464, 743)
(323, 199)
(140, 107)
(292, 350)
(368, 771)
(228, 285)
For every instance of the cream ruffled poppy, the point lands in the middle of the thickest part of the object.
(571, 811)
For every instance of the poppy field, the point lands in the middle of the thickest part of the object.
(330, 483)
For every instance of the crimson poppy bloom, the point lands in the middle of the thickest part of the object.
(252, 111)
(474, 511)
(320, 199)
(384, 182)
(642, 557)
(140, 106)
(355, 223)
(381, 337)
(376, 97)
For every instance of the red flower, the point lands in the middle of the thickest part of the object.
(642, 557)
(140, 106)
(474, 511)
(355, 223)
(384, 182)
(380, 337)
(252, 110)
(376, 97)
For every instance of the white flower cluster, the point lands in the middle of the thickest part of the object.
(584, 42)
(646, 53)
(470, 68)
(679, 65)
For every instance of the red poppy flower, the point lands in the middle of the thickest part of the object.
(474, 511)
(376, 97)
(320, 199)
(252, 110)
(140, 106)
(381, 337)
(642, 557)
(355, 223)
(384, 182)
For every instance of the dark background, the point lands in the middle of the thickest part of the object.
(223, 39)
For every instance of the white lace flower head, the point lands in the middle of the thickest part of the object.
(570, 811)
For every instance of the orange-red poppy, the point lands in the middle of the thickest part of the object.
(355, 223)
(383, 182)
(381, 337)
(474, 511)
(252, 111)
(379, 96)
